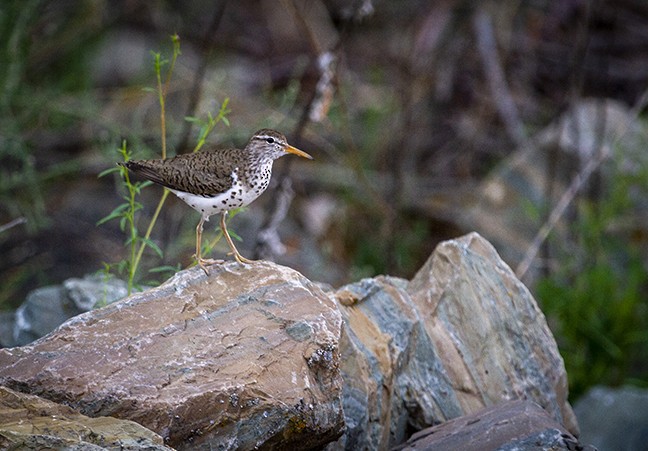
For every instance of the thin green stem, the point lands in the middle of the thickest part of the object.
(162, 93)
(130, 219)
(161, 100)
(176, 51)
(126, 212)
(149, 230)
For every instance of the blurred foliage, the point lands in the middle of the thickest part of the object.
(44, 64)
(45, 53)
(595, 300)
(20, 183)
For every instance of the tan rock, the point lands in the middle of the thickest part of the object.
(244, 358)
(30, 422)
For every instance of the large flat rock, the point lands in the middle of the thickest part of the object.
(247, 357)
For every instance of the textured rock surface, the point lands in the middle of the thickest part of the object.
(462, 335)
(491, 336)
(614, 418)
(29, 422)
(393, 378)
(514, 425)
(258, 356)
(247, 357)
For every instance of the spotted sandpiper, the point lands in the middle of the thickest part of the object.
(218, 180)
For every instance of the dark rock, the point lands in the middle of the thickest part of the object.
(513, 425)
(28, 423)
(614, 418)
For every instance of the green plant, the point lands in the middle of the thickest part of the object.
(595, 301)
(127, 212)
(33, 89)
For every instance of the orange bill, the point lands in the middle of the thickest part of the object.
(296, 151)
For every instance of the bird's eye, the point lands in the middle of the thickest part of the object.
(270, 140)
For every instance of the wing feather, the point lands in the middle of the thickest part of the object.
(208, 173)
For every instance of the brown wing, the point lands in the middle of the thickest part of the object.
(206, 173)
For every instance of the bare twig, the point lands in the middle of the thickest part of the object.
(574, 188)
(315, 109)
(565, 200)
(269, 235)
(13, 223)
(268, 242)
(208, 43)
(487, 48)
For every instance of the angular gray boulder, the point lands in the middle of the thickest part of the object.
(462, 335)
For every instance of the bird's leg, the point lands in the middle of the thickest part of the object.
(201, 261)
(199, 230)
(239, 258)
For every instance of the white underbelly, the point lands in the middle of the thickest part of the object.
(235, 197)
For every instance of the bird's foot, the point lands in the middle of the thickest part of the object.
(239, 258)
(203, 262)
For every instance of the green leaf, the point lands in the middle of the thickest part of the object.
(109, 171)
(116, 213)
(165, 268)
(153, 246)
(235, 235)
(122, 266)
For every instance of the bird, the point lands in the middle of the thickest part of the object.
(218, 180)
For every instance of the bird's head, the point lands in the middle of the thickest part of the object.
(273, 143)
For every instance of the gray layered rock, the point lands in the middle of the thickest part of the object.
(462, 335)
(491, 335)
(257, 356)
(48, 307)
